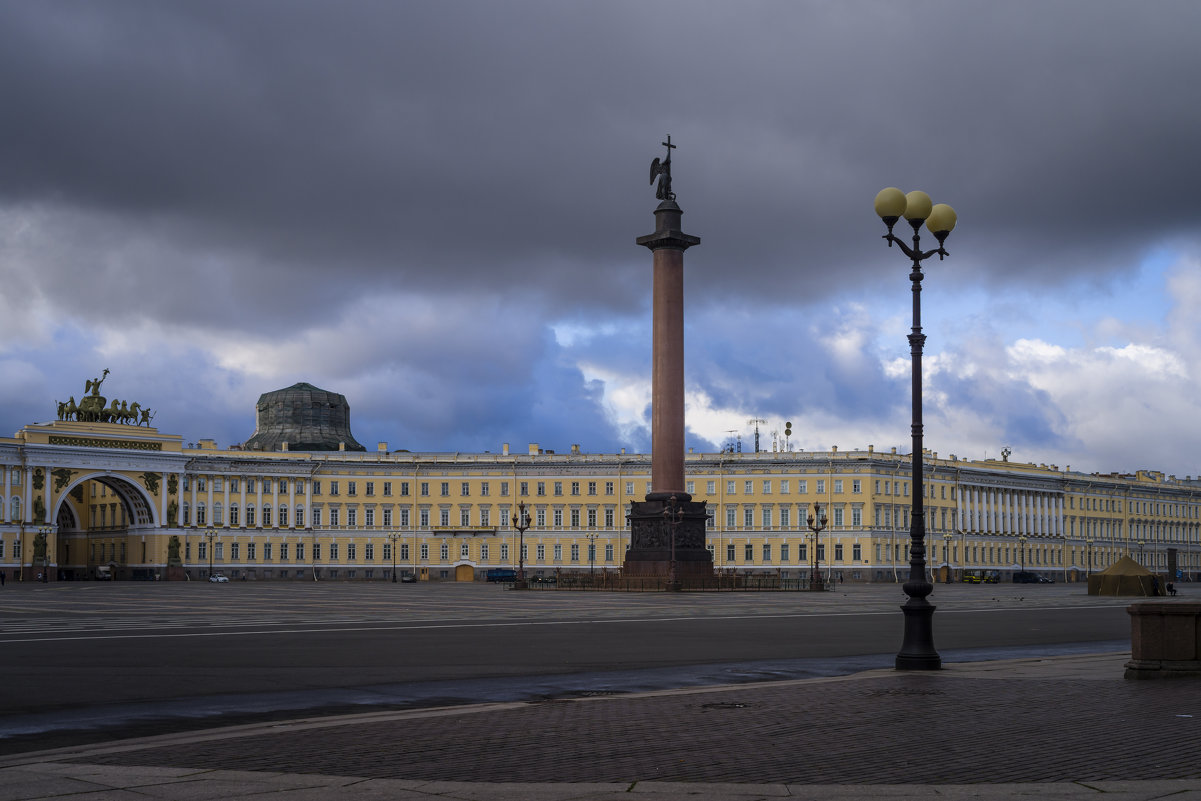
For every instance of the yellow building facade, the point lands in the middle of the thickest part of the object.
(92, 500)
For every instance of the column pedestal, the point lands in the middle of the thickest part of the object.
(650, 553)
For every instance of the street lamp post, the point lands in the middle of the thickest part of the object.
(1022, 546)
(946, 554)
(394, 537)
(1088, 546)
(521, 522)
(211, 534)
(46, 532)
(917, 650)
(816, 522)
(592, 554)
(673, 514)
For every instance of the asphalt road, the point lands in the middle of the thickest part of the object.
(78, 658)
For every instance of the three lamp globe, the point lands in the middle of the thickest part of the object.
(916, 207)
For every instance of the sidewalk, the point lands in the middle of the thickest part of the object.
(1066, 727)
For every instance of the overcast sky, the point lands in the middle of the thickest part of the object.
(431, 207)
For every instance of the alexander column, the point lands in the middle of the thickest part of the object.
(667, 530)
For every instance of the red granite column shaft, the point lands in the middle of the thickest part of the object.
(667, 381)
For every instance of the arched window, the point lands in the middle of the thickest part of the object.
(233, 514)
(283, 516)
(299, 517)
(14, 510)
(187, 514)
(201, 517)
(250, 515)
(218, 515)
(266, 516)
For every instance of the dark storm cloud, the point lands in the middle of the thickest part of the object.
(429, 145)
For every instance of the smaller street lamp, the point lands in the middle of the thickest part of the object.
(946, 554)
(1022, 546)
(592, 553)
(521, 522)
(46, 532)
(393, 538)
(1088, 546)
(211, 534)
(816, 522)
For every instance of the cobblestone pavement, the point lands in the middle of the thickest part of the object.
(1064, 719)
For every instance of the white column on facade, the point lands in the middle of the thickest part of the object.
(292, 502)
(225, 482)
(994, 514)
(208, 520)
(975, 510)
(275, 502)
(192, 481)
(242, 502)
(27, 503)
(258, 494)
(4, 500)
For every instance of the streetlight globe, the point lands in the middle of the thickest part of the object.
(941, 220)
(890, 203)
(917, 206)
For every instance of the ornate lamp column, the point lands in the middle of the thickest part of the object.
(521, 522)
(816, 522)
(917, 650)
(650, 551)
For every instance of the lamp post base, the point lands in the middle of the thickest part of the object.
(917, 649)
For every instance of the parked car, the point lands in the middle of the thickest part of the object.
(218, 578)
(1026, 577)
(408, 578)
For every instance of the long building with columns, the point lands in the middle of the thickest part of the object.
(82, 500)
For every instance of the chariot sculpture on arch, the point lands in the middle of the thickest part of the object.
(95, 408)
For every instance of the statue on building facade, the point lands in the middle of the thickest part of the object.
(95, 408)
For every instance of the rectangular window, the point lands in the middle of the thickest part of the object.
(802, 487)
(591, 487)
(333, 551)
(540, 517)
(558, 488)
(767, 487)
(767, 517)
(748, 517)
(838, 486)
(540, 551)
(540, 488)
(504, 489)
(783, 552)
(250, 552)
(766, 552)
(609, 552)
(838, 517)
(575, 488)
(575, 552)
(387, 551)
(387, 489)
(233, 550)
(369, 552)
(445, 488)
(629, 488)
(300, 552)
(609, 518)
(404, 551)
(748, 552)
(283, 552)
(608, 487)
(730, 512)
(749, 487)
(711, 487)
(523, 488)
(369, 516)
(425, 488)
(465, 489)
(464, 517)
(387, 518)
(444, 551)
(558, 551)
(857, 552)
(352, 551)
(558, 516)
(821, 486)
(370, 488)
(838, 552)
(404, 488)
(333, 488)
(690, 487)
(485, 516)
(425, 552)
(730, 552)
(591, 518)
(484, 489)
(857, 517)
(444, 517)
(352, 516)
(266, 552)
(785, 517)
(575, 518)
